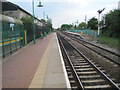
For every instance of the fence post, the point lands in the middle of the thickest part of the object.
(25, 37)
(92, 33)
(22, 36)
(15, 37)
(3, 52)
(10, 42)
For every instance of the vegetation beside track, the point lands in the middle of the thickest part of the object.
(110, 28)
(110, 41)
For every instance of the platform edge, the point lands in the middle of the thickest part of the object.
(63, 66)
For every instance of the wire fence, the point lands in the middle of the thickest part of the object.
(11, 39)
(92, 33)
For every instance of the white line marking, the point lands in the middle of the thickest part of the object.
(63, 65)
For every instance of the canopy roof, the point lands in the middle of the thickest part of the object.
(4, 18)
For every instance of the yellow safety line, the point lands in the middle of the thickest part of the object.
(39, 77)
(7, 42)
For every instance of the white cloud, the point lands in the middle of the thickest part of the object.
(75, 9)
(79, 13)
(71, 17)
(71, 1)
(110, 6)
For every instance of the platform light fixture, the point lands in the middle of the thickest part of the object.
(39, 5)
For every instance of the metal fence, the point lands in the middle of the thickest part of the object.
(88, 32)
(12, 38)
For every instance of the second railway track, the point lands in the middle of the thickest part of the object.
(82, 72)
(100, 50)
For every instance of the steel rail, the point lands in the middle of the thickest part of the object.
(96, 45)
(73, 69)
(99, 52)
(106, 77)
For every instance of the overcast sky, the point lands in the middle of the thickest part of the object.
(68, 11)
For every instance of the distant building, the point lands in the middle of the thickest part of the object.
(13, 10)
(119, 5)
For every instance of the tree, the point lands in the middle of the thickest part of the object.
(82, 25)
(28, 23)
(71, 26)
(49, 25)
(65, 27)
(92, 23)
(112, 24)
(44, 21)
(28, 26)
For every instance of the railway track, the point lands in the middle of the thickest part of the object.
(82, 73)
(114, 57)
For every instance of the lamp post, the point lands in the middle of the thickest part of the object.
(34, 41)
(99, 12)
(44, 15)
(77, 24)
(86, 21)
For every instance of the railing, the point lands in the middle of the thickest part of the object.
(84, 31)
(9, 45)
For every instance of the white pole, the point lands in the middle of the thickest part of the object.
(98, 24)
(104, 19)
(43, 15)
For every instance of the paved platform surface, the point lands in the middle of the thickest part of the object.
(51, 71)
(36, 66)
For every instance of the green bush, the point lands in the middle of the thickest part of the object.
(110, 41)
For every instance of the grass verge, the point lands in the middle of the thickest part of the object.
(110, 41)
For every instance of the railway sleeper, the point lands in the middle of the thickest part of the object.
(69, 73)
(73, 83)
(87, 72)
(86, 66)
(67, 66)
(118, 83)
(68, 69)
(89, 76)
(95, 82)
(78, 61)
(84, 69)
(97, 87)
(83, 63)
(74, 87)
(92, 80)
(78, 64)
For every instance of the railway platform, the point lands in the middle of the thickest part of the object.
(37, 65)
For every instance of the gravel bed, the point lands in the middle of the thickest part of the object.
(110, 68)
(94, 41)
